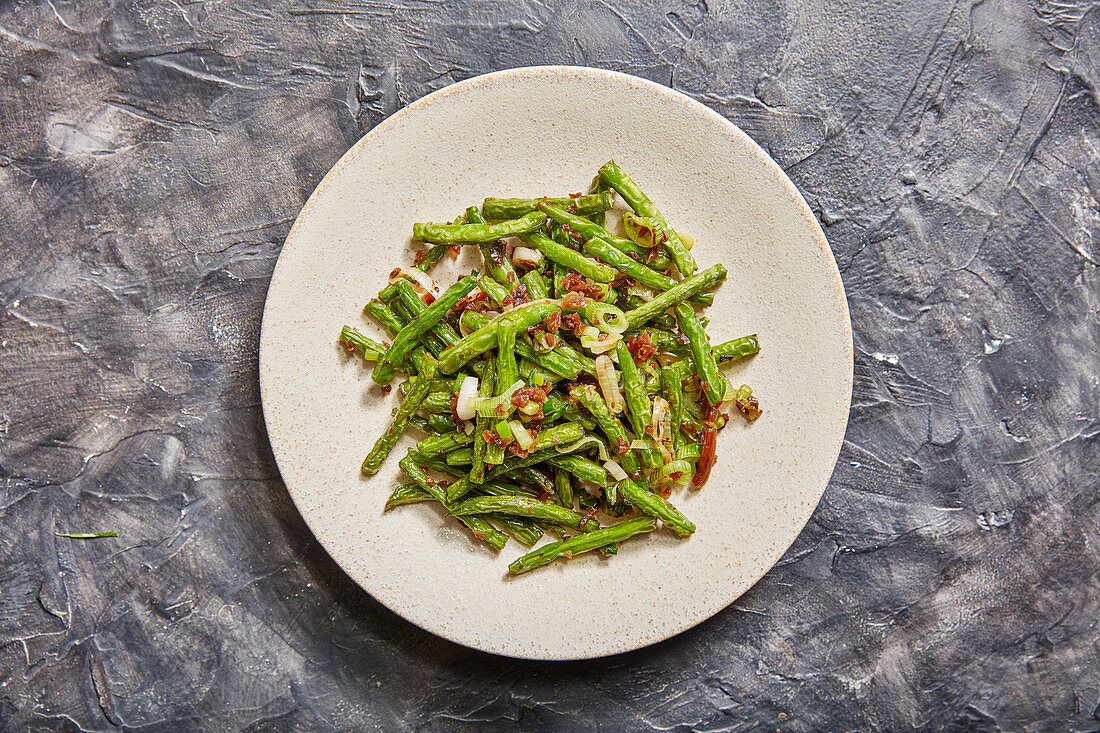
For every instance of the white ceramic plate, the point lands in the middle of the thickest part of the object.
(529, 132)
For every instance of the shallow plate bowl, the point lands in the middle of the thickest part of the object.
(539, 131)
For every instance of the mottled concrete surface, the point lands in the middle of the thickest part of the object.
(152, 158)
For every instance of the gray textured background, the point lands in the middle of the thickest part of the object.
(152, 158)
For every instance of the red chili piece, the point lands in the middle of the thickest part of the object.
(707, 442)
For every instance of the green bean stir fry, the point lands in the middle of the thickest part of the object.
(569, 388)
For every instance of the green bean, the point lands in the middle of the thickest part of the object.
(673, 380)
(439, 444)
(556, 435)
(524, 531)
(408, 494)
(436, 384)
(677, 294)
(437, 401)
(705, 366)
(665, 341)
(442, 423)
(476, 233)
(563, 487)
(533, 477)
(485, 338)
(662, 321)
(418, 423)
(440, 466)
(510, 208)
(599, 186)
(382, 313)
(586, 395)
(408, 407)
(460, 487)
(636, 198)
(367, 347)
(582, 543)
(485, 388)
(498, 264)
(554, 407)
(428, 340)
(536, 286)
(638, 407)
(471, 321)
(583, 363)
(649, 503)
(416, 306)
(507, 371)
(735, 349)
(533, 376)
(496, 292)
(587, 230)
(560, 273)
(581, 467)
(552, 361)
(602, 248)
(522, 507)
(434, 253)
(502, 488)
(478, 525)
(570, 259)
(407, 338)
(460, 457)
(564, 360)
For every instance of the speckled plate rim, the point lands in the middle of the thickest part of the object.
(276, 437)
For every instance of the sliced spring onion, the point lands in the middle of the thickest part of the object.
(494, 454)
(522, 435)
(731, 392)
(465, 408)
(421, 282)
(603, 344)
(606, 317)
(601, 446)
(648, 444)
(526, 258)
(615, 470)
(499, 406)
(660, 426)
(689, 452)
(643, 230)
(664, 474)
(504, 430)
(531, 408)
(687, 239)
(609, 384)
